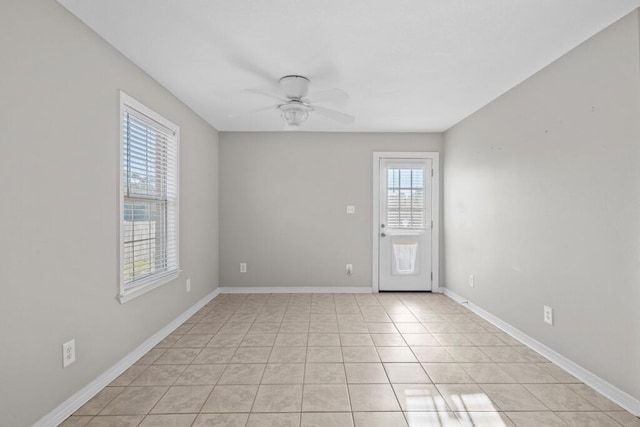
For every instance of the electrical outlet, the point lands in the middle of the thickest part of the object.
(349, 269)
(243, 267)
(188, 285)
(351, 209)
(68, 353)
(548, 315)
(471, 283)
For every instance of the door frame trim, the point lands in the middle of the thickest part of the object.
(435, 211)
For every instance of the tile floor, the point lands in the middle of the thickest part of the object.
(404, 359)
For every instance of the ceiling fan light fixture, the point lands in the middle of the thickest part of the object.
(294, 113)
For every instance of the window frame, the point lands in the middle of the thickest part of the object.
(412, 189)
(126, 292)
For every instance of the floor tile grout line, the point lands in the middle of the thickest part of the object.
(107, 404)
(389, 379)
(493, 360)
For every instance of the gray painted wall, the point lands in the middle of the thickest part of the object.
(542, 205)
(283, 199)
(59, 155)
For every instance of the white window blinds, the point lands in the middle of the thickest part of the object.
(149, 222)
(405, 198)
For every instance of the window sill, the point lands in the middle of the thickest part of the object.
(144, 287)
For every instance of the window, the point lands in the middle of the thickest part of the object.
(405, 198)
(148, 199)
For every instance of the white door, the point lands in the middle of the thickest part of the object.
(405, 228)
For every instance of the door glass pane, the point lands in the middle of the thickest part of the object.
(405, 198)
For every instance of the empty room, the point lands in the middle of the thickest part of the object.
(320, 214)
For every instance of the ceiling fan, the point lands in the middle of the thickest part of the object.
(294, 105)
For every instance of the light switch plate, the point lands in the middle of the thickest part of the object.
(548, 315)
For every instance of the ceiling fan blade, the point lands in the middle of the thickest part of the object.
(329, 95)
(257, 110)
(335, 115)
(269, 94)
(244, 64)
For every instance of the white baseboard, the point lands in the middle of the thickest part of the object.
(603, 387)
(295, 290)
(72, 404)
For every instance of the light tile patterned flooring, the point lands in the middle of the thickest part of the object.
(333, 360)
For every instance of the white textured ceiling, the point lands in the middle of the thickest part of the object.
(408, 65)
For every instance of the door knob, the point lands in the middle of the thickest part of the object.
(382, 235)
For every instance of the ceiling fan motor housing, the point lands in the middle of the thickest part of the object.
(295, 87)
